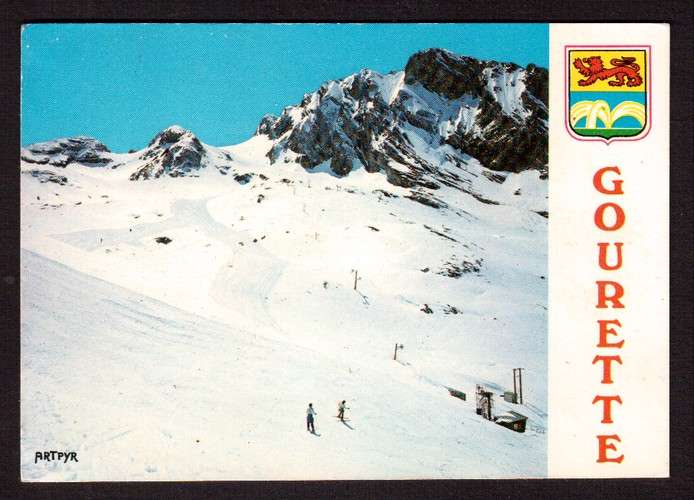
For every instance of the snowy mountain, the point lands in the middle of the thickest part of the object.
(182, 304)
(421, 124)
(177, 152)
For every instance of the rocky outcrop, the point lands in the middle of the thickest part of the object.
(266, 126)
(449, 75)
(174, 151)
(47, 176)
(450, 106)
(510, 136)
(61, 152)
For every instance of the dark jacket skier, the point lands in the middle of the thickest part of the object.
(341, 410)
(310, 412)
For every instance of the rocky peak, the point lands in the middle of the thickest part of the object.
(455, 107)
(174, 151)
(266, 126)
(62, 152)
(447, 74)
(170, 136)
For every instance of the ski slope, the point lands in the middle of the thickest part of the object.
(196, 359)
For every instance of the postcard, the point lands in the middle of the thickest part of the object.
(344, 251)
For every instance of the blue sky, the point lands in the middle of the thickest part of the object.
(123, 83)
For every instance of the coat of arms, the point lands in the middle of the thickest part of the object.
(607, 93)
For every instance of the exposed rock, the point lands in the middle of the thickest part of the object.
(174, 152)
(482, 199)
(243, 178)
(494, 176)
(47, 176)
(426, 199)
(456, 268)
(266, 126)
(385, 193)
(439, 233)
(494, 112)
(449, 309)
(446, 74)
(61, 152)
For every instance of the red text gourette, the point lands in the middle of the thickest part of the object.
(609, 216)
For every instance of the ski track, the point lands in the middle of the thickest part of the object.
(247, 289)
(184, 214)
(242, 291)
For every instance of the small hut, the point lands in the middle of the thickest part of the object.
(512, 420)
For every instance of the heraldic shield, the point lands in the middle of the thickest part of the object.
(607, 92)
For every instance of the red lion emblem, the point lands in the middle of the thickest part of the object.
(623, 69)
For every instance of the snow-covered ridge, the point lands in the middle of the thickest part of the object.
(446, 121)
(369, 119)
(419, 127)
(173, 152)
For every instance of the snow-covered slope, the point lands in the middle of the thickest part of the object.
(182, 306)
(143, 391)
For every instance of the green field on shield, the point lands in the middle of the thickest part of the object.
(608, 133)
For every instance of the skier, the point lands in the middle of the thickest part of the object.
(310, 412)
(341, 410)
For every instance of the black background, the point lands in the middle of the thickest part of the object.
(677, 13)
